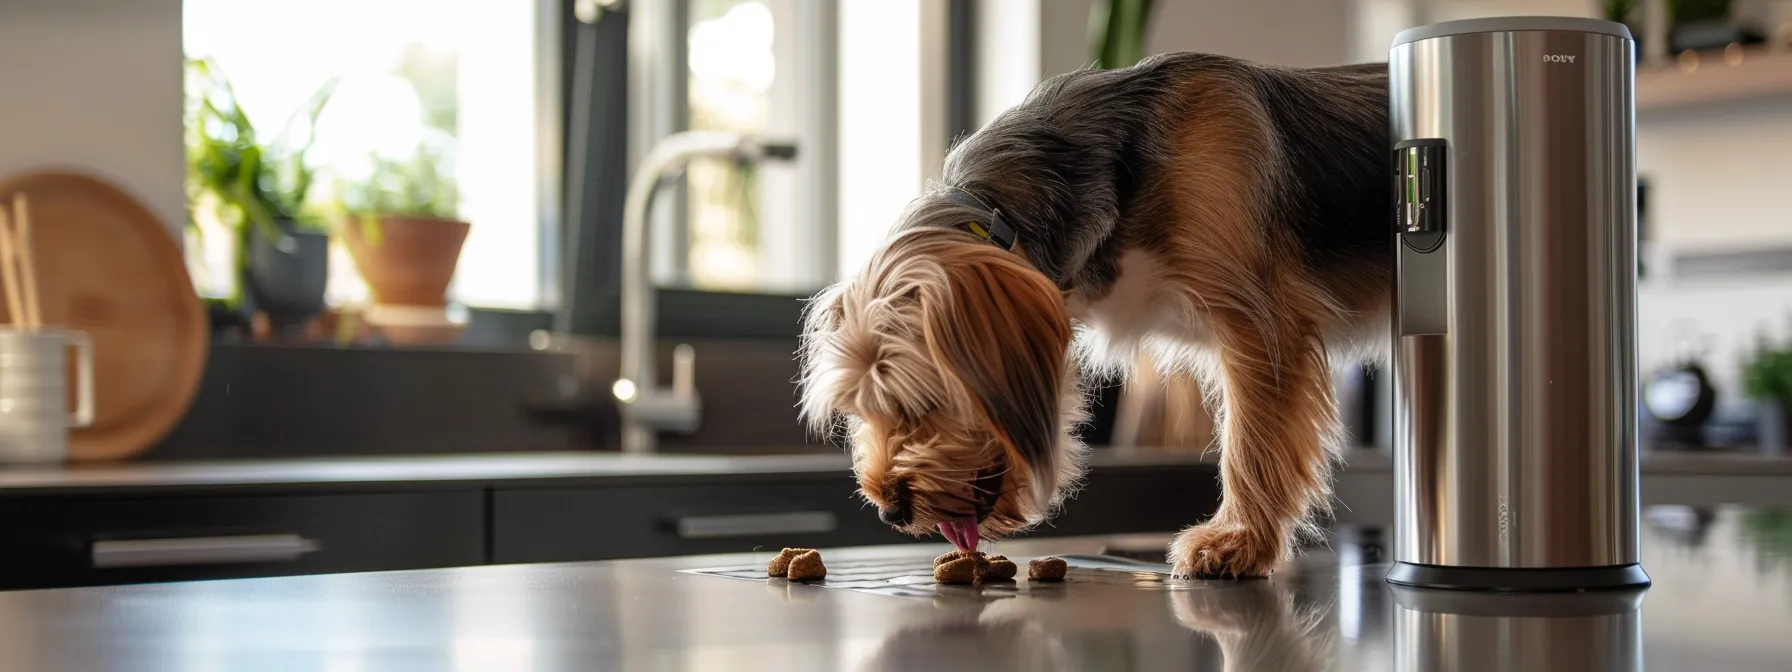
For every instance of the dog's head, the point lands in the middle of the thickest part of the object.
(946, 357)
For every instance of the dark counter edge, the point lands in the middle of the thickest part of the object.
(513, 471)
(527, 470)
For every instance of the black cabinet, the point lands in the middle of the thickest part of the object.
(57, 542)
(602, 523)
(571, 523)
(78, 529)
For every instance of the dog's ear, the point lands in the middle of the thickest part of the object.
(999, 329)
(818, 358)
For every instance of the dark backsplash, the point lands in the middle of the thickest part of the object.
(258, 401)
(272, 401)
(261, 401)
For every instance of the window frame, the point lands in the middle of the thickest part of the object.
(651, 39)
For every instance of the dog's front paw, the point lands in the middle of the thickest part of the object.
(1220, 550)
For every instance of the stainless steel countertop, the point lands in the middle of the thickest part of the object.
(500, 467)
(494, 467)
(1722, 600)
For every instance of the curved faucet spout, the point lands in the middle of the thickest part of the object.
(646, 407)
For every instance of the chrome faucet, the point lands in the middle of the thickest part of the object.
(646, 408)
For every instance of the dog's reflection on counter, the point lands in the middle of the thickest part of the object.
(1251, 625)
(1283, 623)
(1258, 625)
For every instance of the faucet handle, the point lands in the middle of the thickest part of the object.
(779, 150)
(684, 371)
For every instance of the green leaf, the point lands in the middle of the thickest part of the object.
(417, 187)
(1118, 29)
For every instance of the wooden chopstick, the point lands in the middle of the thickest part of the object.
(9, 273)
(34, 318)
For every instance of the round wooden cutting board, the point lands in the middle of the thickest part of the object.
(108, 267)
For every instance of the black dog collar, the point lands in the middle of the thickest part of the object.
(997, 231)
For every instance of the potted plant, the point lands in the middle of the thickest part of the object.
(402, 227)
(259, 191)
(1767, 378)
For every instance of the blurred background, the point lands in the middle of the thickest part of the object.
(399, 223)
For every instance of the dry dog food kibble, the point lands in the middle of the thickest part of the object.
(964, 569)
(972, 567)
(808, 567)
(1047, 569)
(954, 555)
(1000, 569)
(780, 566)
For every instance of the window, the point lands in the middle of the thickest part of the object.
(882, 161)
(732, 72)
(477, 78)
(755, 67)
(733, 254)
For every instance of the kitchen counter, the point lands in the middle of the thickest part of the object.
(492, 469)
(1722, 600)
(519, 468)
(1364, 483)
(395, 513)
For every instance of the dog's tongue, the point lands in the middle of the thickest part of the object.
(962, 533)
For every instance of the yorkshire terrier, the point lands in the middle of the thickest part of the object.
(1225, 218)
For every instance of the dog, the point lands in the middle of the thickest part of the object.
(1225, 218)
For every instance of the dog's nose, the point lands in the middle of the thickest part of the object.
(897, 509)
(893, 515)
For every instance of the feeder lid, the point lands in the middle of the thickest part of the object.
(1513, 24)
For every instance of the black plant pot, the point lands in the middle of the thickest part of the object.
(285, 278)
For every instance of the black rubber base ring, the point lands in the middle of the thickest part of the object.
(1511, 580)
(1583, 604)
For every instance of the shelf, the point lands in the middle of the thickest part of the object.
(1759, 74)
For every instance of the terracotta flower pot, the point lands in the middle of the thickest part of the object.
(410, 260)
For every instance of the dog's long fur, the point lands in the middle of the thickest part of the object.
(1224, 217)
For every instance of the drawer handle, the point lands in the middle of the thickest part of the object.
(201, 550)
(755, 524)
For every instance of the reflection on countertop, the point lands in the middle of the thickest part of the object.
(1722, 600)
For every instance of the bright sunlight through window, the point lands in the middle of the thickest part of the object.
(732, 71)
(462, 75)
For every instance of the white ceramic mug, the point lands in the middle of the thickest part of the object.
(34, 415)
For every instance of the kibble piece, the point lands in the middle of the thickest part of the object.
(780, 566)
(954, 555)
(1047, 569)
(962, 570)
(808, 567)
(1000, 569)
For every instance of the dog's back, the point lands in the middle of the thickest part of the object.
(1333, 130)
(1074, 162)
